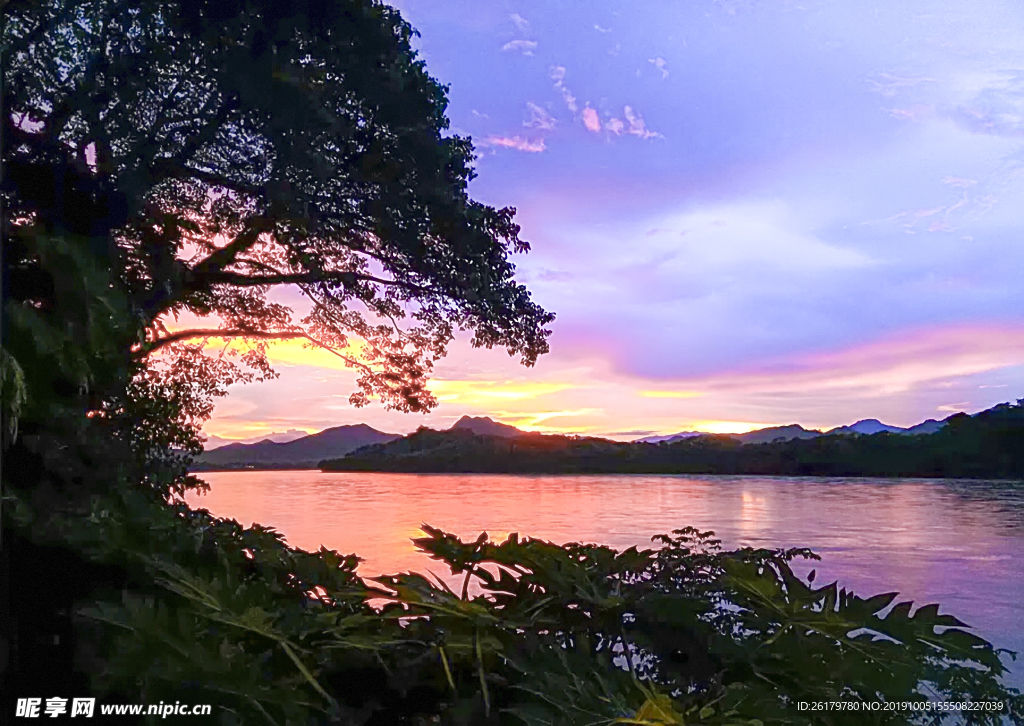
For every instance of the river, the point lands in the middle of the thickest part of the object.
(958, 543)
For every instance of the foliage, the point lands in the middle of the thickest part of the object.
(689, 634)
(987, 445)
(536, 634)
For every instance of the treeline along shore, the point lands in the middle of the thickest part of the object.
(988, 445)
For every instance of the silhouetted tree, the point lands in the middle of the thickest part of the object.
(216, 151)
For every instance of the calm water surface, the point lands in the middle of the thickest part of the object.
(959, 543)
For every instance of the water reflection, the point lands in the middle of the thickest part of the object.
(959, 543)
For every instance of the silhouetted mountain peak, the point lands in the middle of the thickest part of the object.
(212, 441)
(777, 433)
(926, 427)
(760, 436)
(303, 452)
(669, 438)
(484, 426)
(868, 426)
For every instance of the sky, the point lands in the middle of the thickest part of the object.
(744, 214)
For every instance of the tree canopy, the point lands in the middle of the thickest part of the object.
(220, 151)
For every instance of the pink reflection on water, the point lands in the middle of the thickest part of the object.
(957, 543)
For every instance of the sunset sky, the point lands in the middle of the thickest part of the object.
(743, 213)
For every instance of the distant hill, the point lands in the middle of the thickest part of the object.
(776, 433)
(986, 445)
(670, 437)
(868, 426)
(925, 427)
(485, 426)
(865, 427)
(302, 453)
(760, 436)
(871, 426)
(213, 441)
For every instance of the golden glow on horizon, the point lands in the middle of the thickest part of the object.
(671, 394)
(593, 398)
(534, 421)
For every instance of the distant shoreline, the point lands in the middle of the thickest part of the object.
(988, 445)
(318, 470)
(985, 446)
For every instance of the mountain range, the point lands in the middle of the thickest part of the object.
(865, 427)
(301, 453)
(306, 451)
(985, 445)
(213, 441)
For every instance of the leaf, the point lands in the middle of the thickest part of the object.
(657, 710)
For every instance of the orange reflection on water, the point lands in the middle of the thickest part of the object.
(957, 543)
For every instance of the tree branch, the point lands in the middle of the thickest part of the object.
(180, 171)
(300, 278)
(218, 333)
(226, 255)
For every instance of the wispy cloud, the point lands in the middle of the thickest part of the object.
(539, 118)
(888, 366)
(731, 7)
(557, 74)
(914, 113)
(599, 29)
(533, 421)
(637, 127)
(487, 392)
(955, 181)
(590, 120)
(515, 142)
(526, 47)
(890, 85)
(660, 64)
(520, 21)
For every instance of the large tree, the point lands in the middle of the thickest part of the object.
(219, 150)
(164, 157)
